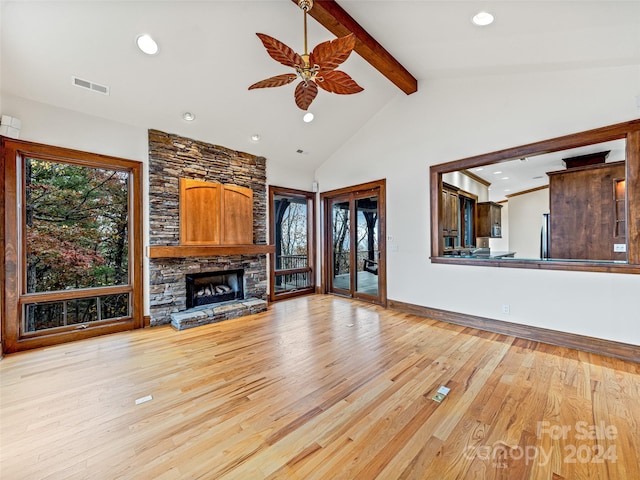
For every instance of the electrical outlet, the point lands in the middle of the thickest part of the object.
(506, 308)
(619, 247)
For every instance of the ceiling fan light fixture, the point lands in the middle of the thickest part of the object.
(146, 44)
(308, 117)
(315, 69)
(482, 19)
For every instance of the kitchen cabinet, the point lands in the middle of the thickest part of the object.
(489, 221)
(450, 212)
(587, 212)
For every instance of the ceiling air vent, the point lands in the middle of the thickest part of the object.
(94, 87)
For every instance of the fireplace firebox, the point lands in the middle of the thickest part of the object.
(214, 287)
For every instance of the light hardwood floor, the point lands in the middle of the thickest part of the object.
(318, 387)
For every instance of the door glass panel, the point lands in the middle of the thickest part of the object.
(77, 226)
(341, 245)
(367, 246)
(290, 232)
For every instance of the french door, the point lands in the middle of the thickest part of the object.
(355, 264)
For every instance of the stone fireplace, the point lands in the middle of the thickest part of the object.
(172, 157)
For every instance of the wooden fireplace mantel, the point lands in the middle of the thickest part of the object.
(183, 251)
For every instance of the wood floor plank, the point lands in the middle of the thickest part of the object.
(317, 387)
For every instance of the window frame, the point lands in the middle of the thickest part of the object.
(14, 293)
(310, 269)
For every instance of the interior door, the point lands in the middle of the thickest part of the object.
(354, 239)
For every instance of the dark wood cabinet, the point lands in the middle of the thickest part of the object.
(450, 212)
(588, 212)
(489, 221)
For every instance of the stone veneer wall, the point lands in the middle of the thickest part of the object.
(170, 158)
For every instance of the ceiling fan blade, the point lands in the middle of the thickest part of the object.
(279, 51)
(328, 55)
(305, 93)
(338, 82)
(277, 81)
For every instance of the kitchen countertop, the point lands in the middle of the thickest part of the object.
(494, 255)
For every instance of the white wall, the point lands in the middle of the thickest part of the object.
(455, 118)
(525, 222)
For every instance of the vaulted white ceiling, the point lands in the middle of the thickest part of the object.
(209, 55)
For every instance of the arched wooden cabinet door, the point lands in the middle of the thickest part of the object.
(215, 214)
(200, 212)
(237, 214)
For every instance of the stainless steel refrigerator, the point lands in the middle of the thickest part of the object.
(545, 236)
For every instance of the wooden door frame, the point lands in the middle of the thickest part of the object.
(11, 263)
(379, 187)
(311, 241)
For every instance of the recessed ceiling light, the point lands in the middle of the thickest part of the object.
(188, 117)
(497, 172)
(505, 178)
(147, 44)
(507, 189)
(308, 117)
(479, 169)
(482, 19)
(255, 138)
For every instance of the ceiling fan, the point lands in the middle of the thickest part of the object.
(316, 69)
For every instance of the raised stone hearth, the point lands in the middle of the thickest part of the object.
(172, 157)
(194, 317)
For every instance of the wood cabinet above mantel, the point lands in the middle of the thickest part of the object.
(215, 214)
(215, 220)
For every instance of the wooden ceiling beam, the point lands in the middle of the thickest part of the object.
(333, 17)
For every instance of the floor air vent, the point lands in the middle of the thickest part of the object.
(94, 87)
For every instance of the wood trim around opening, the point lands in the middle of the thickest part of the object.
(626, 130)
(311, 242)
(12, 297)
(378, 186)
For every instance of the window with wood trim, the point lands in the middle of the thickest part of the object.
(291, 231)
(72, 225)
